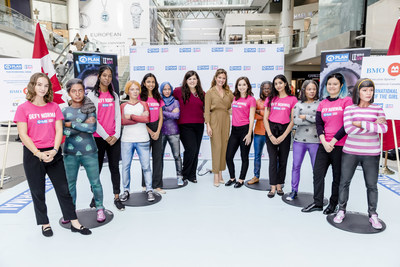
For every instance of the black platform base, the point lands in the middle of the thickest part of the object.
(87, 217)
(172, 183)
(355, 222)
(139, 199)
(262, 185)
(302, 200)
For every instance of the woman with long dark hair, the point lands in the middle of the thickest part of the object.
(278, 122)
(217, 106)
(243, 110)
(39, 123)
(108, 129)
(191, 122)
(331, 133)
(152, 97)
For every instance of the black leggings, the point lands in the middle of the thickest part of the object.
(235, 141)
(157, 155)
(35, 171)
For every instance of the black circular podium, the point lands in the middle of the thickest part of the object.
(262, 185)
(139, 199)
(172, 183)
(355, 222)
(87, 217)
(302, 200)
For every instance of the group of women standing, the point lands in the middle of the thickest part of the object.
(156, 115)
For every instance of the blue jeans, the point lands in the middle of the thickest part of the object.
(127, 151)
(259, 142)
(175, 144)
(91, 164)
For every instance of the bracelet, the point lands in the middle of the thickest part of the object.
(55, 150)
(269, 135)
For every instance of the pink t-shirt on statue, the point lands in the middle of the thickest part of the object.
(41, 122)
(106, 113)
(154, 108)
(241, 110)
(281, 109)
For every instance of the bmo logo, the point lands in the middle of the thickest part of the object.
(394, 69)
(375, 70)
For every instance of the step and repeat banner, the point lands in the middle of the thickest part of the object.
(170, 63)
(14, 78)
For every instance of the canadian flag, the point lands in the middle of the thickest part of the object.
(40, 51)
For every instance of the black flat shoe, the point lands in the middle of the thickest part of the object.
(271, 194)
(47, 232)
(330, 209)
(230, 182)
(238, 184)
(83, 230)
(92, 203)
(192, 181)
(312, 207)
(280, 192)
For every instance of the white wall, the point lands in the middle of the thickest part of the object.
(202, 29)
(382, 17)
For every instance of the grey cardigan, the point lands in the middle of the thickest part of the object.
(100, 130)
(306, 131)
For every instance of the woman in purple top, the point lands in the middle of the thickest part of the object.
(191, 122)
(170, 130)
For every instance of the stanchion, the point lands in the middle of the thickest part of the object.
(5, 155)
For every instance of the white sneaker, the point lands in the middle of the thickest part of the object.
(376, 224)
(339, 217)
(150, 196)
(180, 181)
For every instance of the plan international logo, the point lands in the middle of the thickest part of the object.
(153, 50)
(171, 67)
(95, 60)
(13, 66)
(185, 50)
(139, 68)
(267, 68)
(217, 49)
(337, 58)
(203, 67)
(235, 68)
(250, 50)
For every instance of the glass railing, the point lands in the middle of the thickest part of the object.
(19, 24)
(203, 2)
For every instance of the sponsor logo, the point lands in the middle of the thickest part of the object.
(246, 67)
(235, 68)
(13, 66)
(185, 50)
(376, 70)
(267, 67)
(164, 50)
(394, 69)
(105, 105)
(171, 67)
(279, 49)
(196, 49)
(253, 85)
(278, 67)
(228, 49)
(153, 50)
(261, 50)
(150, 67)
(42, 121)
(250, 50)
(182, 67)
(337, 58)
(108, 60)
(356, 57)
(139, 68)
(214, 67)
(28, 67)
(203, 67)
(132, 50)
(217, 49)
(89, 60)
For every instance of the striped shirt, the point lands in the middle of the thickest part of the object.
(363, 141)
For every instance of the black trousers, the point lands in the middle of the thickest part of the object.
(113, 155)
(321, 165)
(35, 171)
(278, 154)
(191, 135)
(235, 141)
(157, 155)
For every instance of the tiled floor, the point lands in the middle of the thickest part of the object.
(201, 225)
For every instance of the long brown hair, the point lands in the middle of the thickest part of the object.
(236, 93)
(31, 94)
(214, 82)
(186, 90)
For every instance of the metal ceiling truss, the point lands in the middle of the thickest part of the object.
(201, 12)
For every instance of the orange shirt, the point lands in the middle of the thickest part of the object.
(259, 129)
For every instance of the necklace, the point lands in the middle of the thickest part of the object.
(104, 15)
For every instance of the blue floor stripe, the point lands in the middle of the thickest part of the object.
(389, 183)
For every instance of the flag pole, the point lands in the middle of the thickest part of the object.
(397, 150)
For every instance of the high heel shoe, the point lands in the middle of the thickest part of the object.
(83, 230)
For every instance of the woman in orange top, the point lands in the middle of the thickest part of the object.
(259, 130)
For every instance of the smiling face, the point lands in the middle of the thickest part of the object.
(192, 81)
(134, 92)
(150, 83)
(77, 93)
(311, 91)
(280, 85)
(242, 87)
(41, 87)
(266, 90)
(106, 78)
(220, 80)
(166, 90)
(366, 94)
(333, 87)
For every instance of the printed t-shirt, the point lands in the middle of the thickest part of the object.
(241, 110)
(106, 113)
(332, 116)
(41, 122)
(281, 109)
(154, 108)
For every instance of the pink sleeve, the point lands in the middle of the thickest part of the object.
(349, 128)
(162, 103)
(253, 102)
(59, 115)
(294, 102)
(20, 115)
(348, 101)
(319, 108)
(266, 102)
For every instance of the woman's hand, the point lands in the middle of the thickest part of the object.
(145, 113)
(247, 139)
(328, 146)
(273, 139)
(280, 139)
(155, 135)
(209, 131)
(112, 141)
(127, 116)
(357, 123)
(90, 120)
(176, 110)
(380, 120)
(68, 124)
(303, 117)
